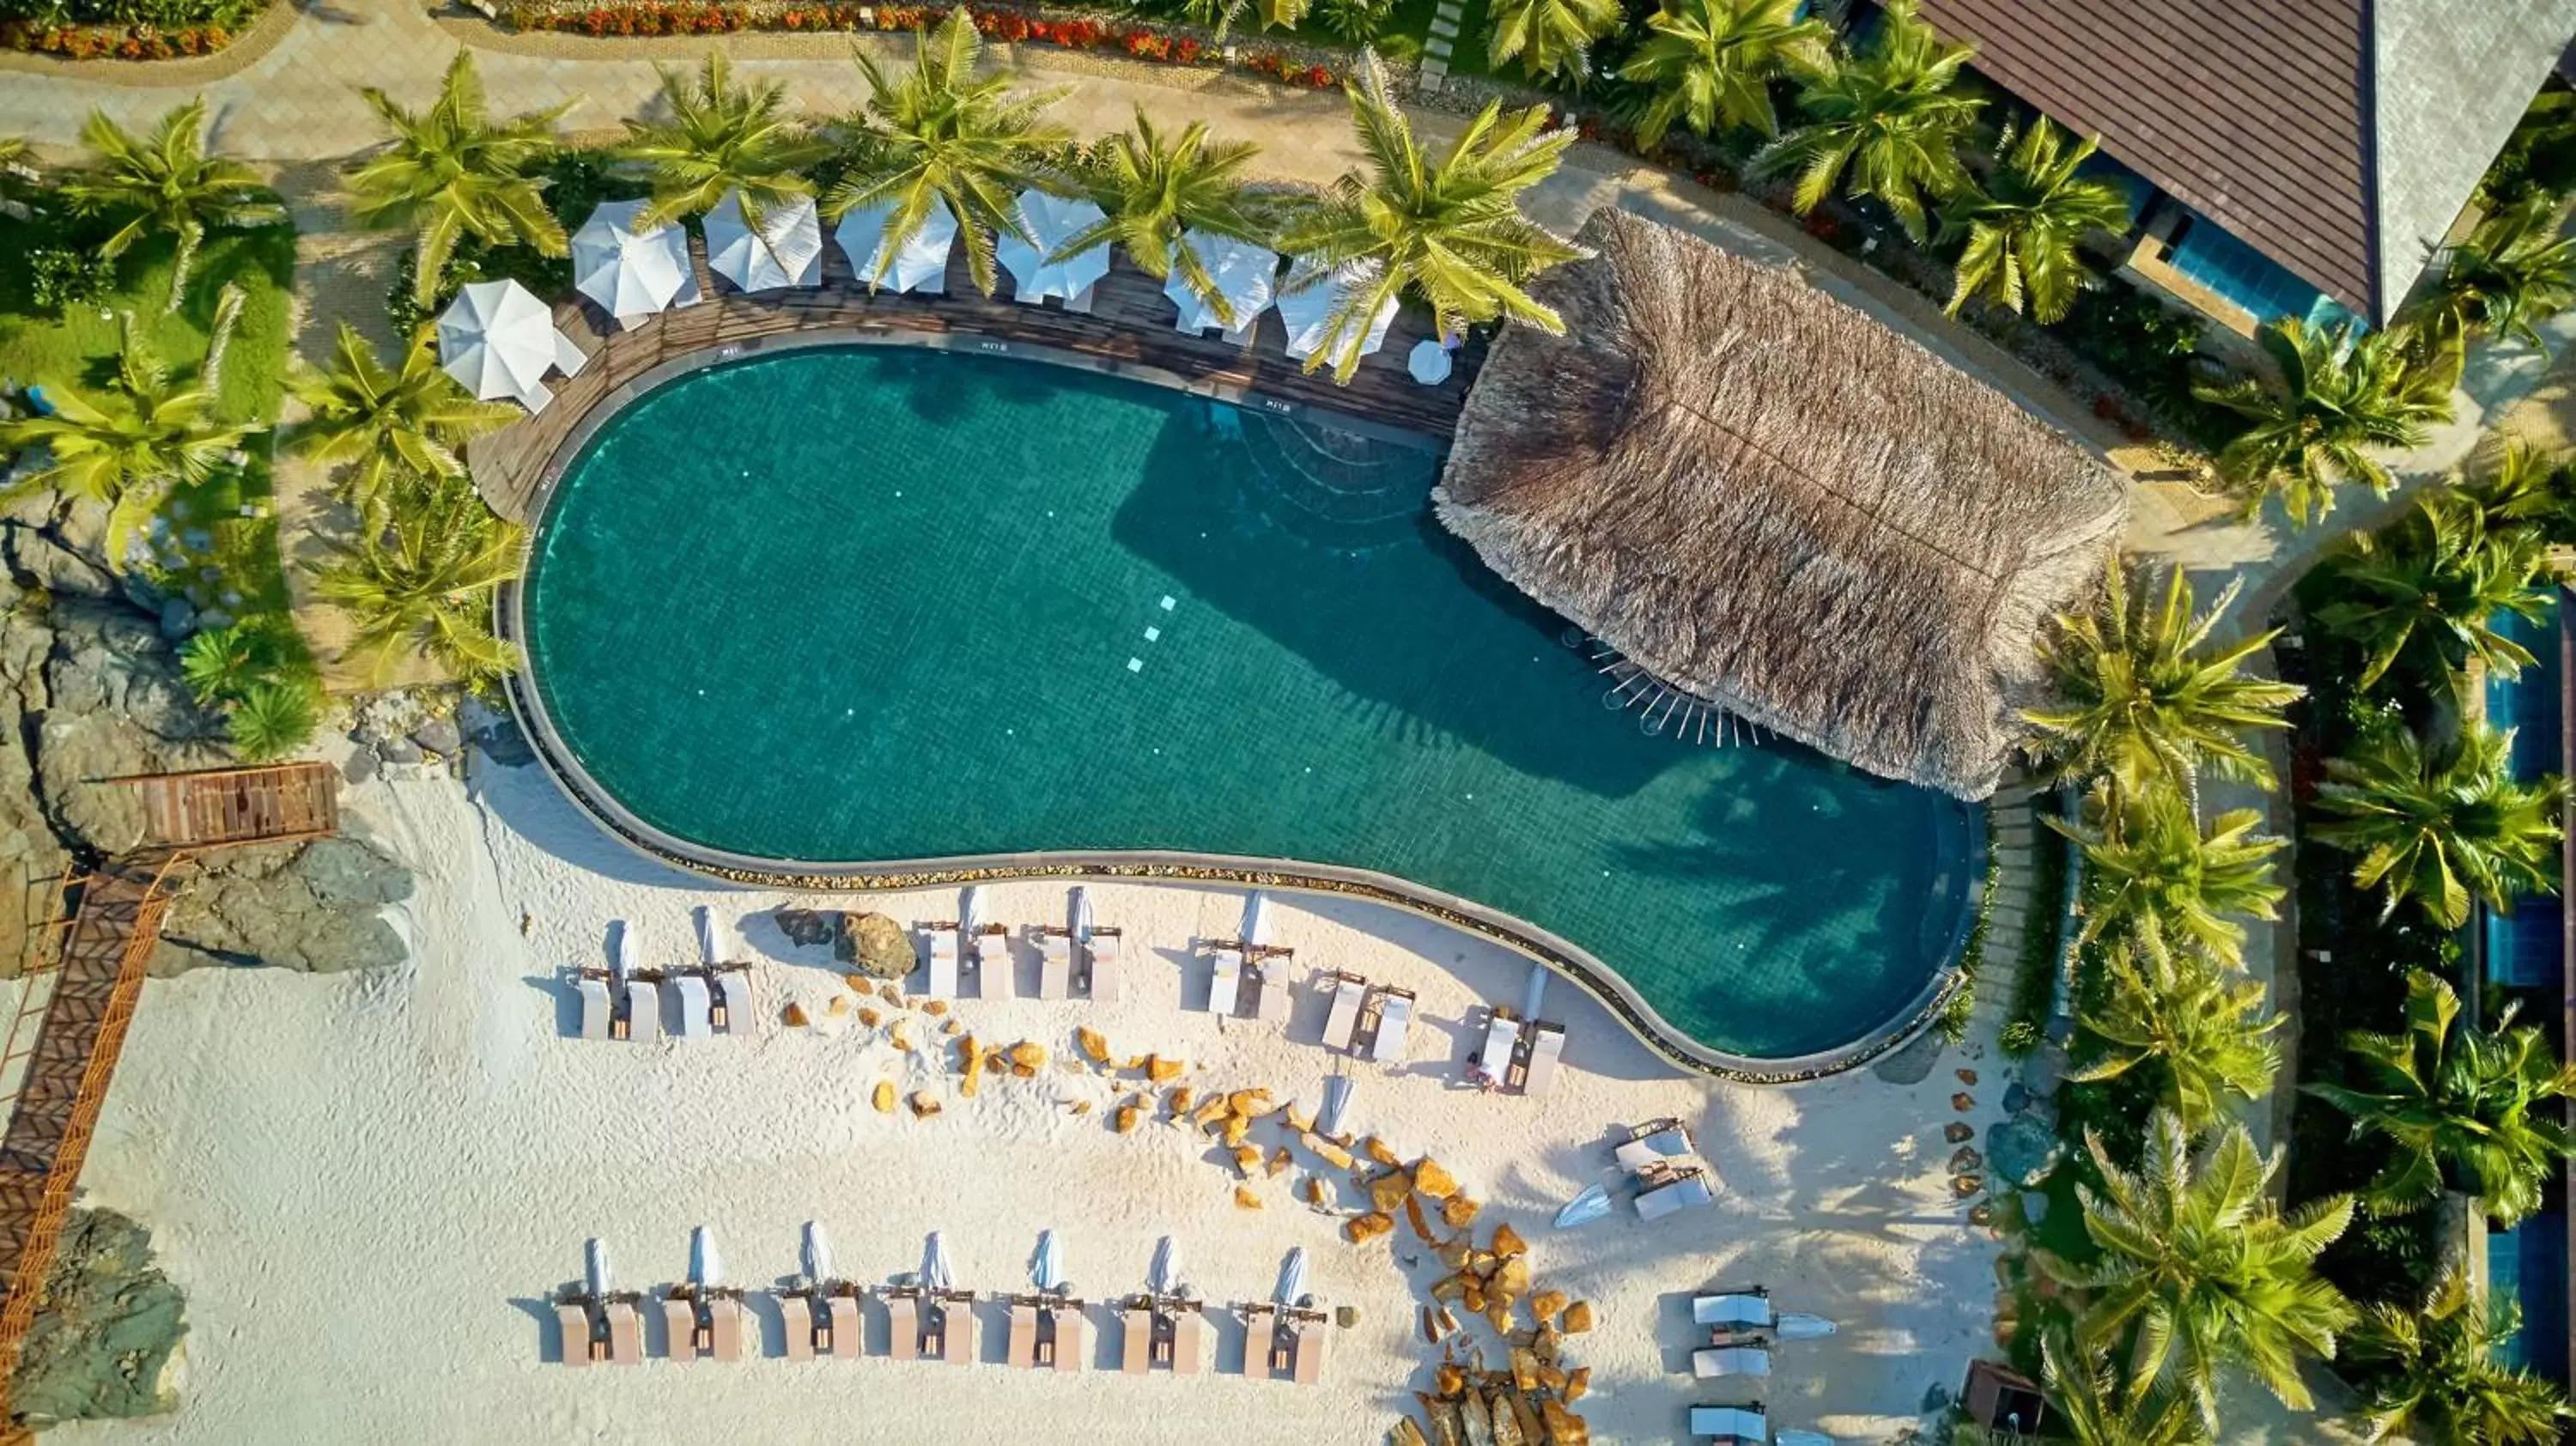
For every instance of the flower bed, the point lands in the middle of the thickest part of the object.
(1160, 44)
(114, 42)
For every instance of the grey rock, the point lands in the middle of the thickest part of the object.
(438, 735)
(399, 750)
(108, 1332)
(2034, 1206)
(2045, 1070)
(876, 945)
(280, 906)
(361, 765)
(214, 618)
(2016, 1099)
(349, 871)
(178, 619)
(57, 569)
(2023, 1150)
(1911, 1064)
(810, 927)
(496, 734)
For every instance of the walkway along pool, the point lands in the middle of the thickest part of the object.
(884, 616)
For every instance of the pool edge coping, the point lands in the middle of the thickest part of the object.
(1594, 976)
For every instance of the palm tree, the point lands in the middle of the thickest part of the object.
(2511, 273)
(938, 136)
(2200, 1269)
(423, 581)
(2153, 881)
(1713, 61)
(20, 180)
(166, 184)
(2446, 829)
(2459, 1106)
(221, 663)
(2522, 484)
(2091, 1405)
(2023, 225)
(1154, 191)
(2341, 395)
(126, 446)
(2202, 1031)
(2431, 589)
(2429, 1372)
(722, 136)
(1889, 118)
(386, 421)
(271, 719)
(1550, 37)
(2141, 695)
(452, 172)
(1449, 231)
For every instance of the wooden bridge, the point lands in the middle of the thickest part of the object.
(62, 1045)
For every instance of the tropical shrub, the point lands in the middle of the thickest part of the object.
(1886, 124)
(2428, 1369)
(65, 276)
(2431, 590)
(2342, 395)
(452, 173)
(166, 183)
(1709, 63)
(272, 719)
(2444, 827)
(2155, 886)
(1357, 22)
(421, 583)
(2021, 228)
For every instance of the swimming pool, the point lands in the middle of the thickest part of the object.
(855, 606)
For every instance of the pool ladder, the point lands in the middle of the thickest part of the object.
(1662, 707)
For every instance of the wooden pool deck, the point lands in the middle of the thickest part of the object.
(1128, 331)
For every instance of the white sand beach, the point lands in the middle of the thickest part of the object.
(368, 1185)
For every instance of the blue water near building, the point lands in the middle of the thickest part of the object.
(2248, 279)
(2528, 1265)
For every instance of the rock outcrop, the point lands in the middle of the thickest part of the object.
(107, 1331)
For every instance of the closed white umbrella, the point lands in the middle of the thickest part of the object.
(1337, 1099)
(1050, 222)
(1246, 275)
(499, 340)
(1256, 918)
(919, 264)
(787, 252)
(1792, 1327)
(817, 1252)
(705, 1269)
(1292, 1277)
(935, 1271)
(631, 273)
(1534, 993)
(626, 963)
(1308, 312)
(1047, 1269)
(707, 946)
(1166, 1277)
(594, 1265)
(1082, 921)
(970, 911)
(1585, 1208)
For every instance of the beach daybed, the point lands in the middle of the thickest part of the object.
(1395, 1014)
(596, 1008)
(800, 1323)
(1547, 1045)
(942, 980)
(1021, 1348)
(1684, 1189)
(642, 1017)
(993, 953)
(690, 991)
(1344, 1021)
(1654, 1146)
(1189, 1339)
(625, 1332)
(1064, 1336)
(1055, 962)
(733, 999)
(1225, 983)
(1712, 1362)
(1745, 1425)
(582, 1343)
(1101, 950)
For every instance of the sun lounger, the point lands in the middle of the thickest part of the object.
(1730, 1425)
(643, 1011)
(1226, 981)
(1189, 1342)
(843, 1333)
(957, 1331)
(1547, 1044)
(733, 1001)
(625, 1333)
(1659, 1143)
(1395, 1015)
(1685, 1190)
(1271, 979)
(1072, 1338)
(1262, 1359)
(1502, 1039)
(1712, 1362)
(942, 983)
(724, 1328)
(1742, 1309)
(1136, 1351)
(1348, 991)
(1022, 1348)
(903, 1314)
(1310, 1352)
(595, 1006)
(690, 991)
(680, 1328)
(1103, 947)
(1055, 964)
(796, 1318)
(580, 1346)
(993, 959)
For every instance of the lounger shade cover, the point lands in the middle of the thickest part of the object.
(793, 255)
(706, 1268)
(817, 1252)
(1256, 918)
(1165, 1277)
(631, 274)
(1246, 275)
(1662, 1145)
(1717, 1361)
(1050, 222)
(594, 1266)
(919, 264)
(1731, 1310)
(1584, 1208)
(1393, 1017)
(1308, 314)
(1082, 920)
(1663, 1200)
(1801, 1438)
(710, 952)
(694, 1023)
(499, 341)
(1739, 1423)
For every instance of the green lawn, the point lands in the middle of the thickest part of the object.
(221, 548)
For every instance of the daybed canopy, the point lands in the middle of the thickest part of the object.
(1773, 502)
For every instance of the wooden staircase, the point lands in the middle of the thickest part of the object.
(61, 1049)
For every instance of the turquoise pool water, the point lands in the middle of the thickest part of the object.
(849, 604)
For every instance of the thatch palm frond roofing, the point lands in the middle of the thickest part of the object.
(1771, 501)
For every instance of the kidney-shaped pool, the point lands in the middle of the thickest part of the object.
(849, 606)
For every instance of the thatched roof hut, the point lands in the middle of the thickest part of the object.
(1771, 501)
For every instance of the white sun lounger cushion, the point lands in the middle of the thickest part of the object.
(1225, 981)
(1395, 1015)
(692, 993)
(594, 1008)
(734, 987)
(1731, 1310)
(993, 964)
(942, 982)
(1345, 1017)
(1713, 1361)
(1104, 968)
(1272, 1001)
(1684, 1193)
(643, 1011)
(1547, 1045)
(1055, 966)
(1502, 1035)
(1658, 1148)
(1729, 1423)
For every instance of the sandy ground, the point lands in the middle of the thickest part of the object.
(368, 1185)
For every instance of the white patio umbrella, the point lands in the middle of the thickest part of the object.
(1337, 1099)
(500, 341)
(1082, 920)
(594, 1265)
(817, 1252)
(787, 252)
(936, 1273)
(626, 964)
(1047, 1269)
(1308, 313)
(705, 1269)
(1246, 275)
(1292, 1277)
(919, 264)
(1256, 918)
(1534, 993)
(1794, 1327)
(632, 274)
(1166, 1275)
(1585, 1208)
(1051, 221)
(970, 911)
(707, 946)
